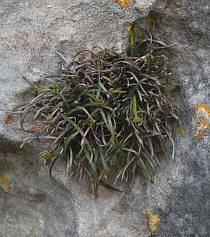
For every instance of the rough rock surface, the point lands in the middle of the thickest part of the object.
(30, 203)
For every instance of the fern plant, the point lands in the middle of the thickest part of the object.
(105, 109)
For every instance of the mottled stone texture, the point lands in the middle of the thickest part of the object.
(30, 33)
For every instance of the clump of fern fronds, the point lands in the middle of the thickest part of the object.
(105, 109)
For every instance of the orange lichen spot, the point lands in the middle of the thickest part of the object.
(180, 128)
(29, 234)
(201, 120)
(128, 28)
(151, 221)
(204, 107)
(139, 33)
(123, 3)
(204, 123)
(150, 21)
(4, 181)
(200, 133)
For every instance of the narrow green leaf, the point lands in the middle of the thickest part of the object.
(49, 117)
(146, 170)
(57, 106)
(94, 98)
(172, 89)
(150, 59)
(142, 164)
(109, 186)
(19, 106)
(53, 163)
(36, 88)
(113, 138)
(75, 126)
(132, 38)
(25, 113)
(102, 158)
(57, 154)
(136, 118)
(94, 172)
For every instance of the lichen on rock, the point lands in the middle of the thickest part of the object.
(151, 220)
(123, 3)
(4, 181)
(201, 120)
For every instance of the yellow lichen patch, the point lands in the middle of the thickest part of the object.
(139, 33)
(201, 120)
(123, 3)
(199, 134)
(150, 21)
(151, 220)
(204, 123)
(204, 107)
(128, 28)
(29, 234)
(180, 128)
(4, 181)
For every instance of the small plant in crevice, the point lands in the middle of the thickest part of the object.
(105, 109)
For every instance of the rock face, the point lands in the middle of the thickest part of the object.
(33, 205)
